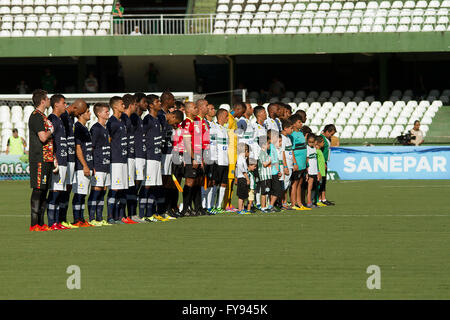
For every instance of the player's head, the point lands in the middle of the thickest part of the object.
(202, 105)
(329, 130)
(272, 109)
(78, 107)
(101, 111)
(296, 121)
(248, 110)
(287, 111)
(179, 105)
(191, 109)
(40, 98)
(306, 131)
(416, 125)
(58, 103)
(243, 149)
(222, 116)
(174, 118)
(211, 111)
(141, 101)
(252, 164)
(116, 103)
(286, 124)
(15, 133)
(167, 99)
(311, 140)
(239, 109)
(260, 114)
(302, 114)
(129, 102)
(273, 135)
(153, 102)
(85, 116)
(319, 142)
(264, 142)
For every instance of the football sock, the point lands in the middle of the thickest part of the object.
(221, 196)
(100, 205)
(63, 205)
(76, 206)
(122, 204)
(35, 206)
(197, 197)
(92, 203)
(111, 204)
(143, 195)
(160, 200)
(151, 198)
(187, 197)
(131, 201)
(52, 207)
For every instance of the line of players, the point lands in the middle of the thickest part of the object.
(141, 162)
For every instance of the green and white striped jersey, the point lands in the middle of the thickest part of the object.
(265, 173)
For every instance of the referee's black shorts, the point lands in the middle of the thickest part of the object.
(242, 188)
(192, 173)
(41, 175)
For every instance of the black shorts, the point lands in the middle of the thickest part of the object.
(220, 174)
(191, 173)
(264, 187)
(208, 168)
(242, 188)
(276, 188)
(178, 171)
(297, 175)
(41, 175)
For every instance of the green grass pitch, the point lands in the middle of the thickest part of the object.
(401, 226)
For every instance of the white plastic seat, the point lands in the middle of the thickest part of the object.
(86, 9)
(77, 33)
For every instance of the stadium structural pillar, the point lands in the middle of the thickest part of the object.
(81, 73)
(383, 76)
(231, 66)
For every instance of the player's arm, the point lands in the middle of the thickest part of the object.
(37, 125)
(80, 157)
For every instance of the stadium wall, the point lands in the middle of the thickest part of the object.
(224, 45)
(182, 66)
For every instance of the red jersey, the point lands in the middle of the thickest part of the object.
(205, 134)
(193, 133)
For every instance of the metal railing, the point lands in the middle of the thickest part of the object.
(163, 24)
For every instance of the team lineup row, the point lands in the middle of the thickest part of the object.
(142, 160)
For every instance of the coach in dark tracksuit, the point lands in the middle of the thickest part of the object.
(41, 156)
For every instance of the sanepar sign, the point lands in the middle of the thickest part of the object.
(392, 162)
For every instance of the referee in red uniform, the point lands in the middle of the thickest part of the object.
(41, 159)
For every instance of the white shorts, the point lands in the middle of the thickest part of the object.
(81, 183)
(153, 172)
(131, 171)
(287, 180)
(166, 163)
(101, 179)
(59, 179)
(70, 175)
(119, 176)
(140, 169)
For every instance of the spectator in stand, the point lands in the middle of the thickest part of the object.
(22, 87)
(136, 32)
(152, 74)
(16, 145)
(91, 83)
(277, 88)
(118, 18)
(48, 81)
(417, 134)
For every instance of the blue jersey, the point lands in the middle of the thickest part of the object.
(139, 137)
(59, 140)
(274, 157)
(68, 125)
(130, 135)
(83, 139)
(101, 148)
(299, 147)
(118, 138)
(153, 137)
(167, 132)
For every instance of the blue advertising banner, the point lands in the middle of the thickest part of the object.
(13, 167)
(389, 162)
